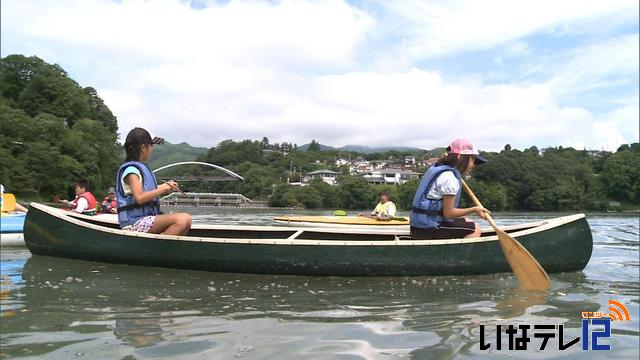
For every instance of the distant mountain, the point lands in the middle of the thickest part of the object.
(371, 150)
(322, 147)
(169, 153)
(364, 149)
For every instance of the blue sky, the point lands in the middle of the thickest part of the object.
(418, 73)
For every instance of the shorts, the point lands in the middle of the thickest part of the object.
(142, 225)
(454, 229)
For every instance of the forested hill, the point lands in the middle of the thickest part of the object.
(169, 153)
(555, 178)
(52, 131)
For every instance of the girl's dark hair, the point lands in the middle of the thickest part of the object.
(132, 145)
(460, 162)
(83, 183)
(386, 193)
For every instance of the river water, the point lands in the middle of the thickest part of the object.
(69, 309)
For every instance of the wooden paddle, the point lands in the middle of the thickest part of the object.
(527, 269)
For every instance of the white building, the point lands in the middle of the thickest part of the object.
(390, 176)
(361, 167)
(328, 176)
(409, 161)
(342, 162)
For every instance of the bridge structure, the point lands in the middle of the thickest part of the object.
(199, 199)
(215, 200)
(231, 176)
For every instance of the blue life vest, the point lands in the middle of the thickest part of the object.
(426, 213)
(128, 210)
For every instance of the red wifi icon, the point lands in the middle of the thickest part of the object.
(618, 311)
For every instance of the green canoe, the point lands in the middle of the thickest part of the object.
(559, 244)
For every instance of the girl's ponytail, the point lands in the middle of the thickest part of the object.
(132, 152)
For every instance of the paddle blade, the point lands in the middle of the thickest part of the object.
(527, 269)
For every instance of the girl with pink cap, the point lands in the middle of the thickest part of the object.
(435, 210)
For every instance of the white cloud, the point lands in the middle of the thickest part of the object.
(440, 28)
(293, 71)
(518, 48)
(611, 62)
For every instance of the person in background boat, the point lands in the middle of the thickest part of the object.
(18, 206)
(385, 210)
(138, 192)
(435, 210)
(85, 202)
(110, 203)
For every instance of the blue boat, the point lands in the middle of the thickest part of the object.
(11, 229)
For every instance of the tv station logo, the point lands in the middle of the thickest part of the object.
(596, 329)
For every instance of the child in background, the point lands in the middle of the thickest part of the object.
(138, 192)
(19, 207)
(85, 202)
(109, 203)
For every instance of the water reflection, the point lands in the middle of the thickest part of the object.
(153, 311)
(73, 309)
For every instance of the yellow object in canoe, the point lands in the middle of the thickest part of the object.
(338, 220)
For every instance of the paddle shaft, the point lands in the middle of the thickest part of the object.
(478, 203)
(526, 268)
(178, 189)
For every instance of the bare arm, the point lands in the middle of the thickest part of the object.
(450, 211)
(143, 197)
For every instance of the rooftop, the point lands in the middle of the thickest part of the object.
(325, 171)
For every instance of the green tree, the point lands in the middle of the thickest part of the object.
(356, 193)
(314, 146)
(622, 174)
(53, 132)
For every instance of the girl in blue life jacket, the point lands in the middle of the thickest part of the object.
(435, 210)
(137, 191)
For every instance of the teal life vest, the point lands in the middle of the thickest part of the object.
(128, 210)
(426, 212)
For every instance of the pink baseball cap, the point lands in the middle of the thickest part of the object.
(466, 147)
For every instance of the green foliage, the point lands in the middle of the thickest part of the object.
(52, 131)
(314, 146)
(533, 179)
(493, 195)
(558, 178)
(622, 173)
(169, 153)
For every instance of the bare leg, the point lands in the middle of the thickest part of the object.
(172, 224)
(476, 232)
(21, 208)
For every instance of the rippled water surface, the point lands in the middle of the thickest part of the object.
(68, 309)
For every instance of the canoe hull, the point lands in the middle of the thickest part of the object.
(12, 240)
(11, 230)
(566, 247)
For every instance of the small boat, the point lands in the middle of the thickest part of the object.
(11, 225)
(561, 244)
(354, 222)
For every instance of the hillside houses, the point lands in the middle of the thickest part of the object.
(389, 172)
(390, 176)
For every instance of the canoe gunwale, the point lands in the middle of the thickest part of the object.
(81, 220)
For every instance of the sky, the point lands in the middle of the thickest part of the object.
(366, 72)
